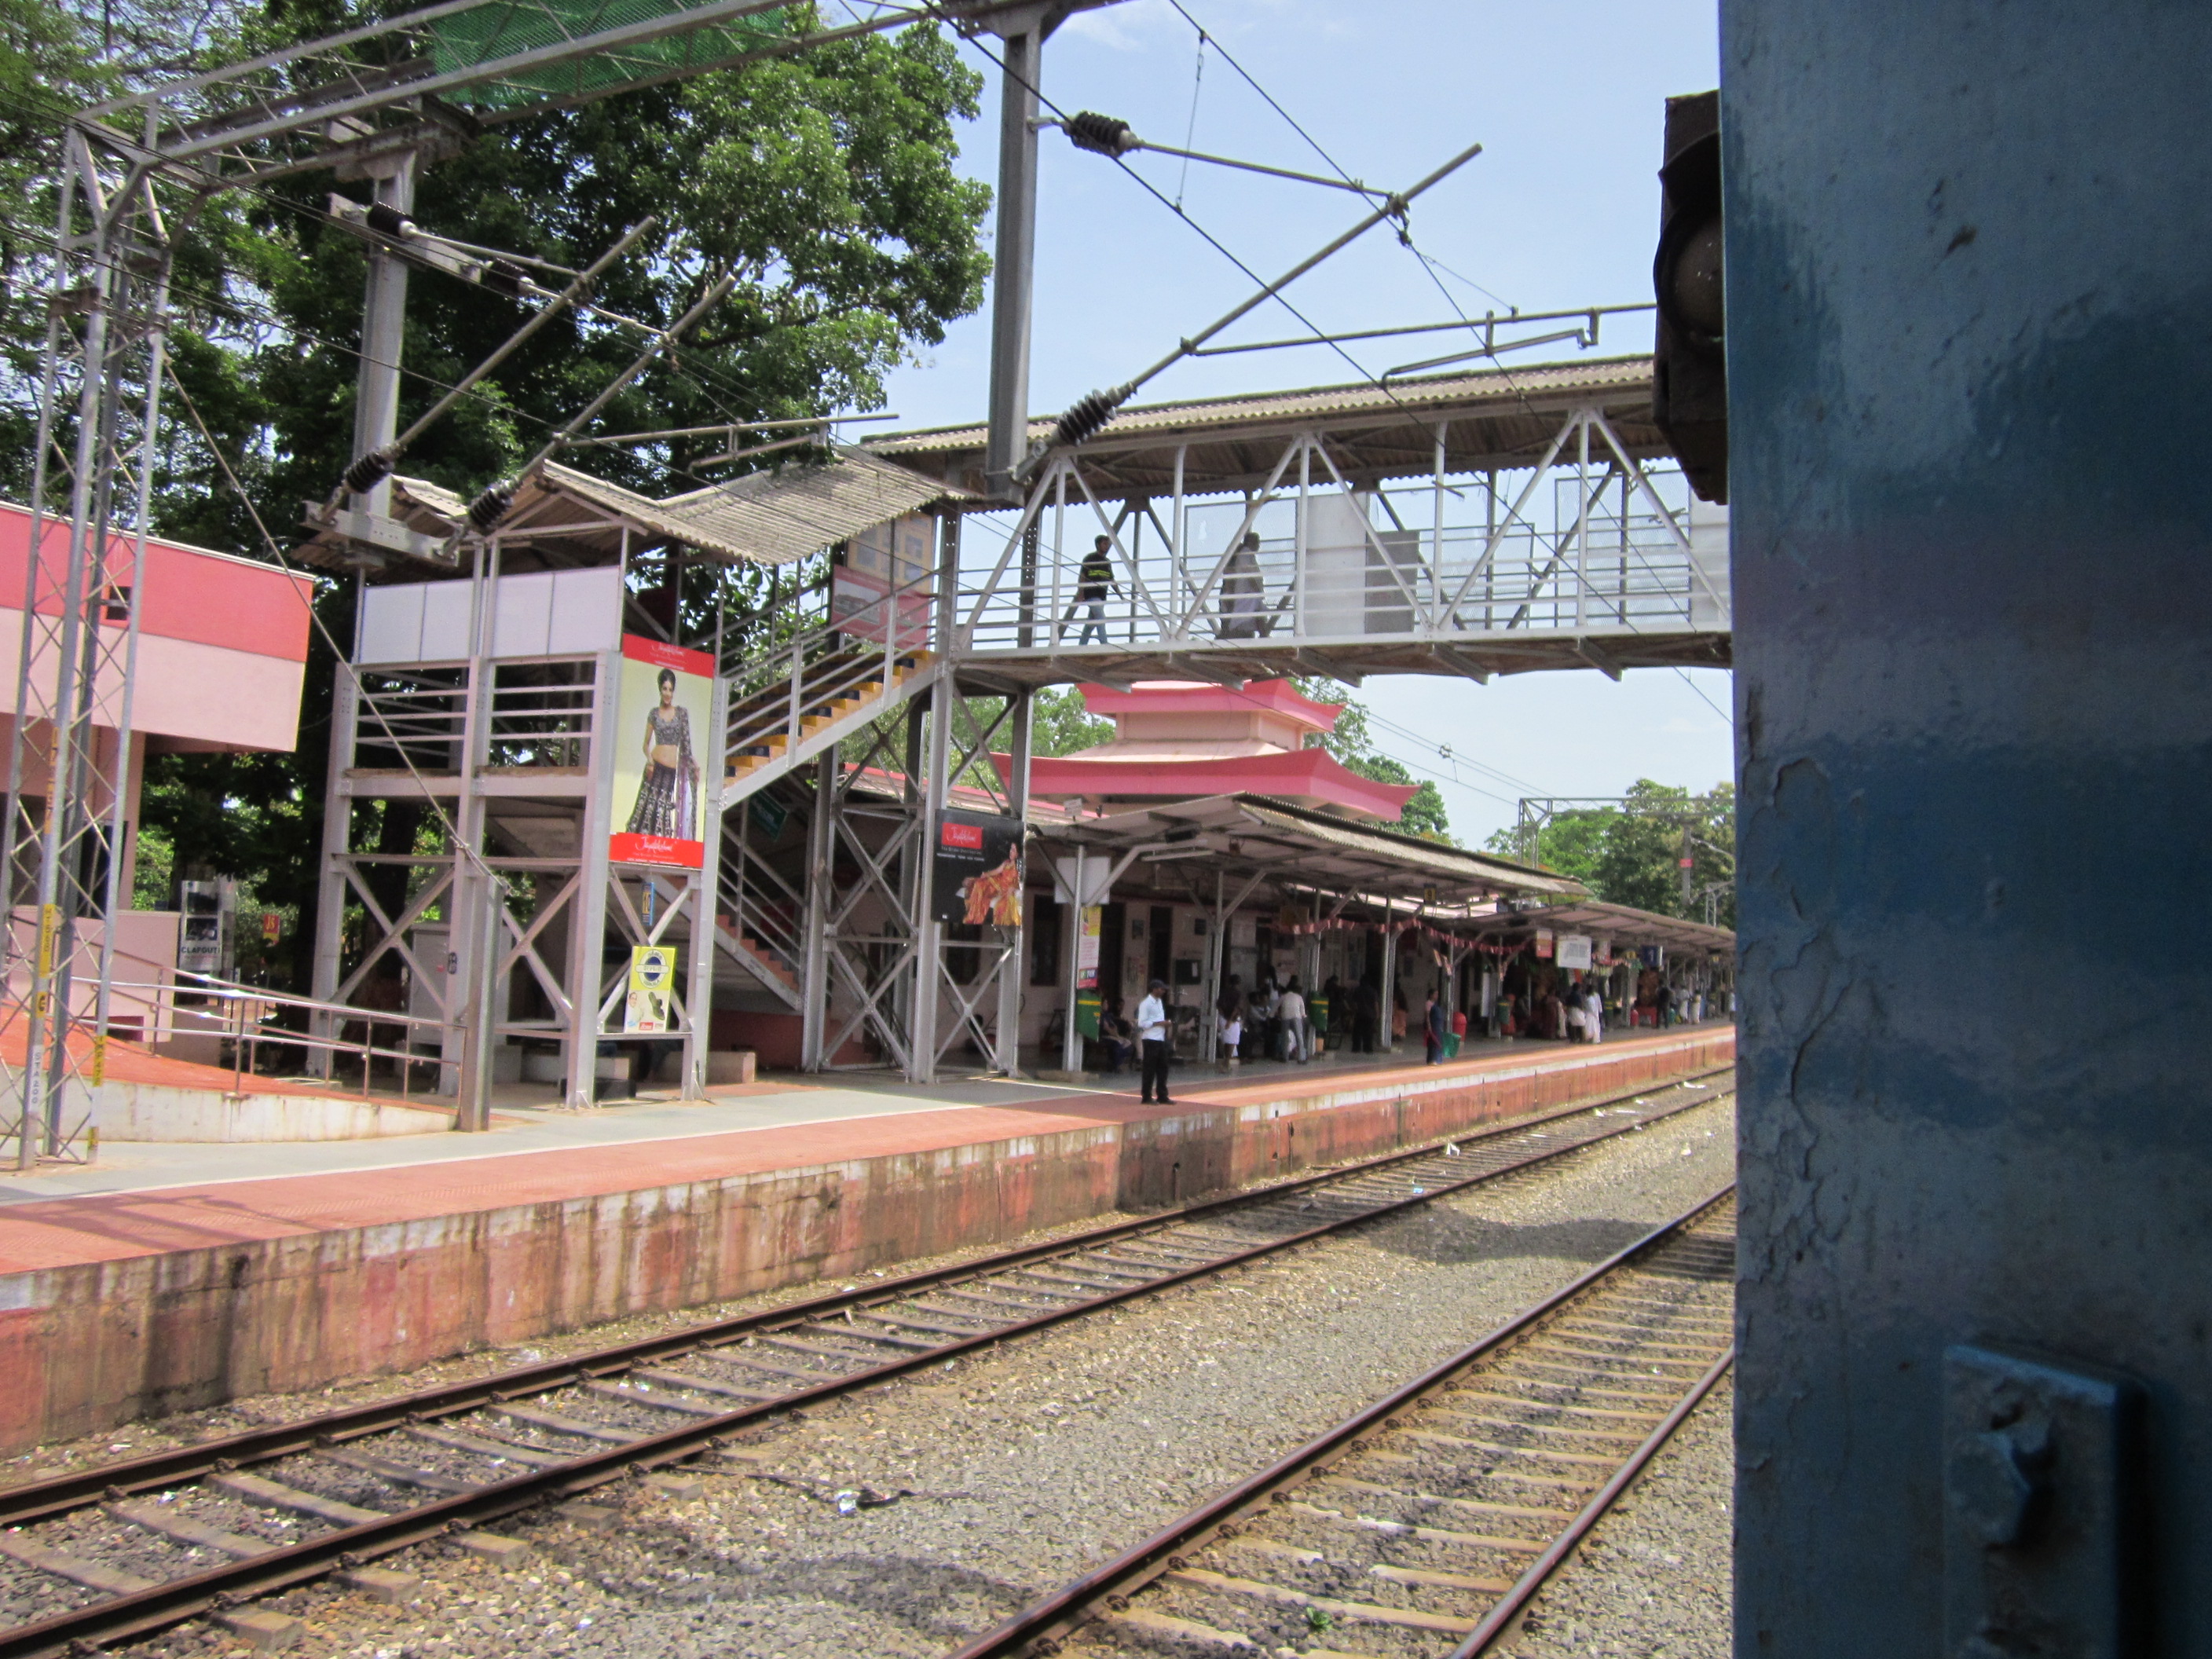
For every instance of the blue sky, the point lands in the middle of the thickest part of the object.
(1559, 210)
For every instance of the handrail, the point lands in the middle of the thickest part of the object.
(246, 1035)
(816, 669)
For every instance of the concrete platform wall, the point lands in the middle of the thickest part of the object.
(156, 1112)
(87, 1347)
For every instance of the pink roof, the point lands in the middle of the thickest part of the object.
(1198, 697)
(1310, 776)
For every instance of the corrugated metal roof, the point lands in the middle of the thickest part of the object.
(764, 518)
(1547, 384)
(1248, 834)
(1621, 922)
(1454, 865)
(1488, 418)
(777, 517)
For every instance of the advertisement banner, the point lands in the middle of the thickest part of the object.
(661, 709)
(977, 873)
(1543, 944)
(1574, 951)
(896, 554)
(650, 1005)
(1086, 951)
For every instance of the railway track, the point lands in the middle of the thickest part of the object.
(101, 1556)
(1424, 1525)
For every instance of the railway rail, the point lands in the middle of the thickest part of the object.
(1423, 1526)
(104, 1555)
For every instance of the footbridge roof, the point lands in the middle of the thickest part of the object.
(1502, 417)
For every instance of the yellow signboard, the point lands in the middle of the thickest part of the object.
(652, 989)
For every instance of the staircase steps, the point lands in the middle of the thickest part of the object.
(760, 723)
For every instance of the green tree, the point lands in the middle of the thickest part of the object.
(1632, 853)
(1351, 743)
(826, 180)
(1061, 724)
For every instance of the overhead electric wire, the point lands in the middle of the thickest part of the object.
(1206, 235)
(1429, 263)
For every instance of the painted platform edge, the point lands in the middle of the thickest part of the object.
(86, 1347)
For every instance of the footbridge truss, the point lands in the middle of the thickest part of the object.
(1471, 523)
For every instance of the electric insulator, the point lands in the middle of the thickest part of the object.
(1100, 134)
(388, 221)
(369, 471)
(503, 276)
(1091, 411)
(489, 508)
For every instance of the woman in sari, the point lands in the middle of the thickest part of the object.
(667, 796)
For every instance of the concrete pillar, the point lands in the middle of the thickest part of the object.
(1973, 568)
(1014, 259)
(1385, 1039)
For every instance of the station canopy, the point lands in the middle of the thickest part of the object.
(1622, 923)
(561, 518)
(1491, 418)
(1297, 848)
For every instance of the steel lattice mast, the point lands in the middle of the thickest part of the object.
(135, 173)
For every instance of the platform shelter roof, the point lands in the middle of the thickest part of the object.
(567, 518)
(1624, 924)
(1296, 847)
(1501, 417)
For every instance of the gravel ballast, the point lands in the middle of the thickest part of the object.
(903, 1519)
(1654, 1580)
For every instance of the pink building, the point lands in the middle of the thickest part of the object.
(223, 649)
(1179, 740)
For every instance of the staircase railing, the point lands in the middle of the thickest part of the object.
(764, 908)
(777, 693)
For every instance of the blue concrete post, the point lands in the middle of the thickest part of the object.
(1970, 361)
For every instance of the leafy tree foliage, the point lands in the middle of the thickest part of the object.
(826, 180)
(1631, 854)
(1060, 724)
(1352, 745)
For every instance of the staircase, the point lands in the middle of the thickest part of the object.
(790, 717)
(764, 938)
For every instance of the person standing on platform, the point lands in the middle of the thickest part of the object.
(1291, 1010)
(1267, 1007)
(1593, 1012)
(1153, 1041)
(1663, 1007)
(1432, 1029)
(1229, 1009)
(1458, 1034)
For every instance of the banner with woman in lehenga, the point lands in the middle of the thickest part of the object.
(661, 708)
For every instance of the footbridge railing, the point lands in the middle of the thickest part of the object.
(1584, 558)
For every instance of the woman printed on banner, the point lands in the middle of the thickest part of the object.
(668, 795)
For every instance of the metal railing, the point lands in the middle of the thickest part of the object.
(411, 717)
(763, 906)
(1616, 573)
(240, 1014)
(541, 714)
(855, 656)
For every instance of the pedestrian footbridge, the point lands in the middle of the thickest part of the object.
(1471, 523)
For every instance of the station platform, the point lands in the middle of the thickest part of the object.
(174, 1277)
